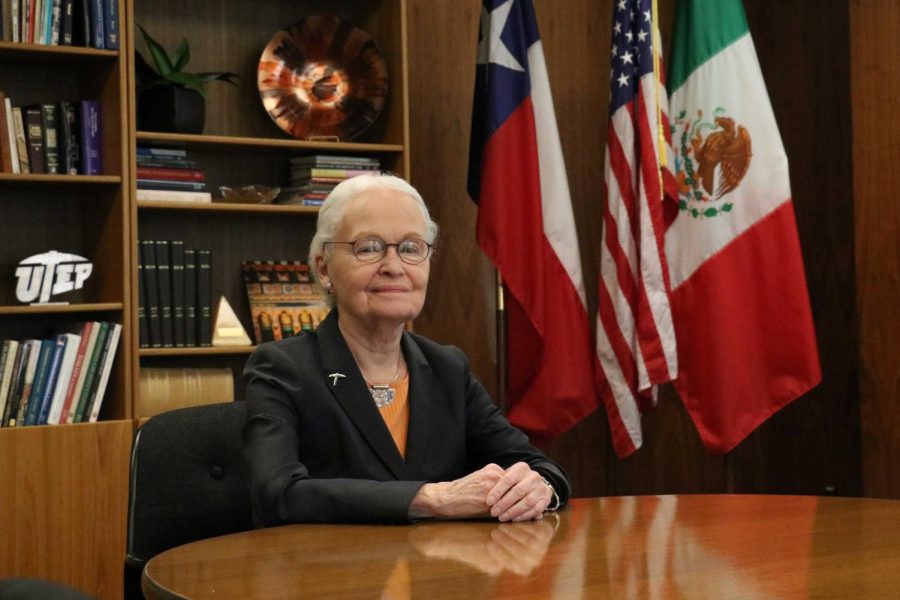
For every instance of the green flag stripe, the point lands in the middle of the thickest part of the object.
(703, 28)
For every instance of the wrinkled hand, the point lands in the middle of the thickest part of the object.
(459, 499)
(516, 494)
(492, 549)
(520, 495)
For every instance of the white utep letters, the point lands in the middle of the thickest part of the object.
(49, 274)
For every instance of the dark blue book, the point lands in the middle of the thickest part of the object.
(190, 298)
(98, 31)
(161, 153)
(90, 149)
(164, 287)
(41, 371)
(59, 349)
(111, 23)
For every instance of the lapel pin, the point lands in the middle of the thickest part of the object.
(335, 377)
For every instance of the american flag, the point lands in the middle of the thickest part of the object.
(635, 336)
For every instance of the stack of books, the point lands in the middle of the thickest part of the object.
(313, 177)
(56, 138)
(168, 174)
(174, 295)
(93, 23)
(57, 380)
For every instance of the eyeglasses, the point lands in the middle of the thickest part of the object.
(412, 251)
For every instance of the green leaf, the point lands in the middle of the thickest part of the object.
(710, 212)
(160, 58)
(182, 55)
(682, 204)
(188, 80)
(218, 76)
(698, 195)
(695, 213)
(727, 207)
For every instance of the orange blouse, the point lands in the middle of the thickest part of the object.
(396, 414)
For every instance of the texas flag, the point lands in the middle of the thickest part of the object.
(526, 225)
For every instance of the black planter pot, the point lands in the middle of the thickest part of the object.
(171, 109)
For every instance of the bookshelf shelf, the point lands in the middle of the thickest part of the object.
(216, 207)
(44, 53)
(206, 351)
(235, 143)
(43, 179)
(62, 308)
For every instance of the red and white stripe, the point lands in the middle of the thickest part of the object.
(635, 335)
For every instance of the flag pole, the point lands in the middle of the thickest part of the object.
(661, 134)
(501, 344)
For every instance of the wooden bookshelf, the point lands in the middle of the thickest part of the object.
(65, 487)
(250, 149)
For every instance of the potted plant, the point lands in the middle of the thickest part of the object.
(170, 99)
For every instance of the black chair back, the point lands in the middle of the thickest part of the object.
(188, 482)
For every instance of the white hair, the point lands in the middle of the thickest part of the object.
(331, 213)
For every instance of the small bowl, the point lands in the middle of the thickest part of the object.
(249, 194)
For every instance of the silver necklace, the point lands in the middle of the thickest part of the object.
(383, 393)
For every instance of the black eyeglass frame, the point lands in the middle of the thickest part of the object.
(376, 257)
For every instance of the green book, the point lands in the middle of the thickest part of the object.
(92, 370)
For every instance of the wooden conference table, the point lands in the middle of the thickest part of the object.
(704, 546)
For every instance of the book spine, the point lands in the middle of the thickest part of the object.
(7, 358)
(90, 376)
(77, 367)
(108, 360)
(170, 173)
(98, 34)
(28, 31)
(15, 26)
(55, 22)
(96, 327)
(15, 387)
(164, 288)
(50, 127)
(68, 138)
(174, 196)
(21, 142)
(66, 28)
(176, 255)
(46, 398)
(190, 298)
(29, 368)
(148, 256)
(111, 24)
(81, 33)
(35, 137)
(155, 153)
(42, 369)
(5, 147)
(143, 328)
(166, 184)
(11, 135)
(91, 163)
(72, 342)
(204, 297)
(37, 21)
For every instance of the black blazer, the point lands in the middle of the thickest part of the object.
(318, 450)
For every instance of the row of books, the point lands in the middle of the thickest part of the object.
(58, 380)
(314, 176)
(283, 299)
(55, 138)
(168, 174)
(175, 295)
(93, 23)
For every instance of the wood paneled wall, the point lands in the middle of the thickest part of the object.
(875, 50)
(812, 446)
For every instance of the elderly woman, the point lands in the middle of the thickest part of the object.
(363, 421)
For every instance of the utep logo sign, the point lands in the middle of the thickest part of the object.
(49, 274)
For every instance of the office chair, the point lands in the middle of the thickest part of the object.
(188, 482)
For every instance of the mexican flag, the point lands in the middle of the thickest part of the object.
(746, 344)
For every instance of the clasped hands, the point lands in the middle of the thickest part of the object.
(514, 494)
